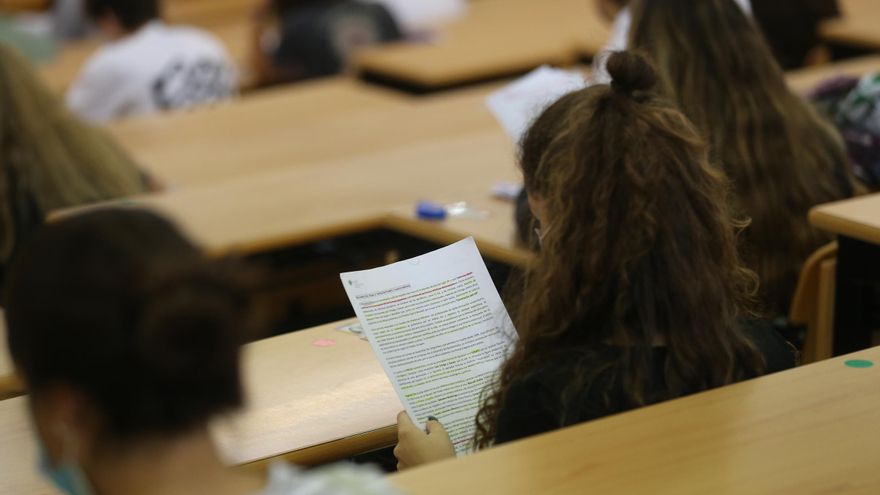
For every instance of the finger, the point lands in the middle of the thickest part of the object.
(434, 425)
(404, 421)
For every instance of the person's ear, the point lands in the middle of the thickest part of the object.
(539, 209)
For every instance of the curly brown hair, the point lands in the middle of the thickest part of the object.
(639, 251)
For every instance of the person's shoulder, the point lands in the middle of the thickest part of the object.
(337, 479)
(197, 36)
(109, 62)
(778, 353)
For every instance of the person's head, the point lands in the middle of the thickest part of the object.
(123, 333)
(780, 155)
(117, 18)
(638, 250)
(48, 156)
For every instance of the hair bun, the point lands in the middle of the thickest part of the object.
(630, 72)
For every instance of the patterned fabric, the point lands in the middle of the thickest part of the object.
(853, 105)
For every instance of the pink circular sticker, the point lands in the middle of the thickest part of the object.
(324, 343)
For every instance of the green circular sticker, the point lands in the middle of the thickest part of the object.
(859, 363)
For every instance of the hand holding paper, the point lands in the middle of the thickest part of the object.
(440, 330)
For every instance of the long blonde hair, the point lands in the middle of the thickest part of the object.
(48, 156)
(780, 155)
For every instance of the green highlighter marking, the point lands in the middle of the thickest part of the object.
(859, 363)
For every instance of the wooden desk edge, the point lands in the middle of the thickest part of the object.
(428, 231)
(332, 451)
(820, 218)
(10, 386)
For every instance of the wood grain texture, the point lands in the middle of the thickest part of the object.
(297, 127)
(810, 431)
(858, 218)
(497, 38)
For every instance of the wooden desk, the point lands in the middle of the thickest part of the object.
(812, 430)
(807, 79)
(316, 124)
(495, 234)
(498, 38)
(9, 384)
(856, 222)
(211, 13)
(298, 205)
(857, 25)
(858, 218)
(307, 403)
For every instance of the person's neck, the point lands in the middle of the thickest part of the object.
(184, 465)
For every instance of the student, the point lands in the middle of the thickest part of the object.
(148, 66)
(782, 157)
(297, 40)
(128, 339)
(49, 159)
(638, 294)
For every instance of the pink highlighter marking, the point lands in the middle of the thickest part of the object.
(324, 343)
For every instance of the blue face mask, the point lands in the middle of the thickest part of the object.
(68, 477)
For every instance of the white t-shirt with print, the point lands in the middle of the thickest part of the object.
(157, 68)
(339, 479)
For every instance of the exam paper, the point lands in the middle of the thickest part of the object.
(516, 105)
(440, 330)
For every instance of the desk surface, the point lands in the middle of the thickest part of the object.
(315, 395)
(497, 38)
(308, 403)
(857, 25)
(812, 430)
(805, 80)
(300, 127)
(269, 129)
(494, 229)
(858, 218)
(297, 205)
(9, 385)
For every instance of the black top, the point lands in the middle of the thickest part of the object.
(532, 405)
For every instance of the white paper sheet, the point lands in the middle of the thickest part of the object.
(440, 330)
(516, 105)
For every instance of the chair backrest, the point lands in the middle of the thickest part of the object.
(813, 303)
(318, 40)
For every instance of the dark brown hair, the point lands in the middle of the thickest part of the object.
(639, 248)
(132, 14)
(781, 157)
(118, 305)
